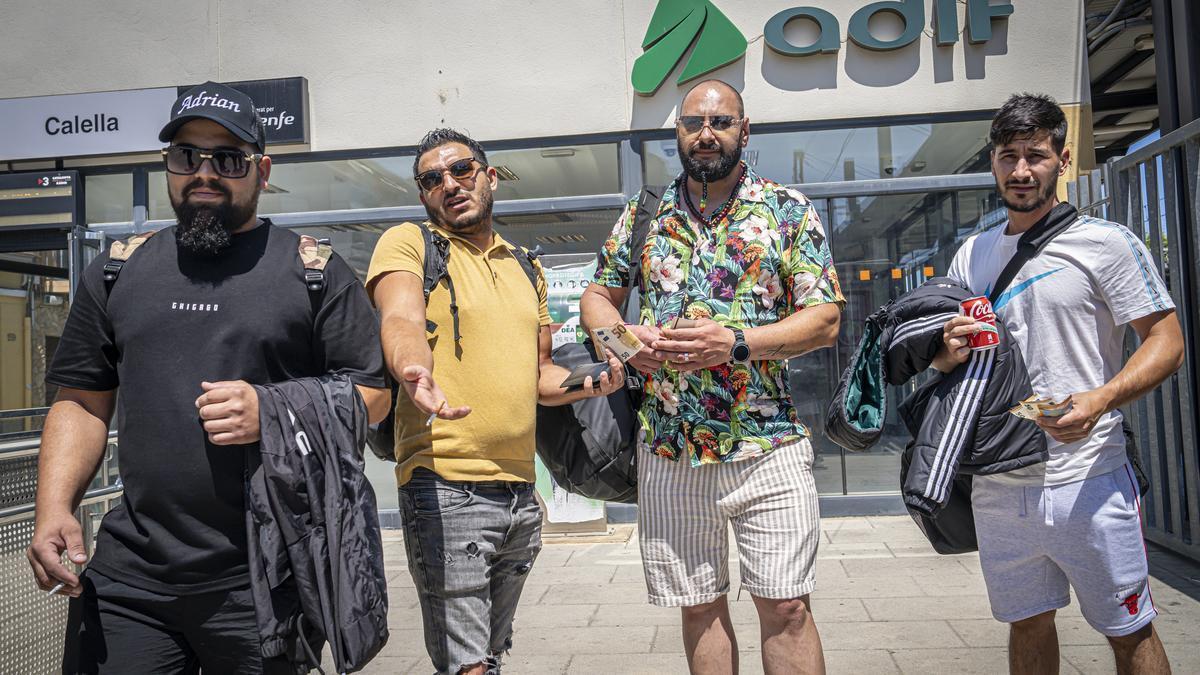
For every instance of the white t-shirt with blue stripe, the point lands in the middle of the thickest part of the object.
(1068, 309)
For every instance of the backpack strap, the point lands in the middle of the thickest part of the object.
(526, 258)
(437, 258)
(648, 203)
(314, 254)
(118, 255)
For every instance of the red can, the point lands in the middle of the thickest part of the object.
(980, 309)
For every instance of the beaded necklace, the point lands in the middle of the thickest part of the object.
(719, 213)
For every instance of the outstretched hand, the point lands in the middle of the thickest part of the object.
(427, 396)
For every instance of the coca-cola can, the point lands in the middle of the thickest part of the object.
(980, 309)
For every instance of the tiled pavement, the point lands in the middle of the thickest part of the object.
(886, 603)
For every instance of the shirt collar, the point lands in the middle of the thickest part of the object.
(497, 240)
(749, 190)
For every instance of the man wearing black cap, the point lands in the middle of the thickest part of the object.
(204, 309)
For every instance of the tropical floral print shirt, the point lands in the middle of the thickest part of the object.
(766, 259)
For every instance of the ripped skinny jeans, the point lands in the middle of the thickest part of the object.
(470, 548)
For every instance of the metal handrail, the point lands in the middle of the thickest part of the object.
(1177, 137)
(15, 514)
(23, 412)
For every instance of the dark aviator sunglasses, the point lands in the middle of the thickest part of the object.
(694, 123)
(463, 171)
(185, 160)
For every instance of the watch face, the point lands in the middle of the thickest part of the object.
(741, 352)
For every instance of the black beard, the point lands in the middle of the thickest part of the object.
(1044, 195)
(470, 225)
(207, 230)
(712, 170)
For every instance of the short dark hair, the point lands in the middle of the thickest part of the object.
(712, 80)
(439, 137)
(1025, 115)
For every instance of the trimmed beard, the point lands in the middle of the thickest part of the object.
(208, 230)
(712, 170)
(469, 226)
(1044, 194)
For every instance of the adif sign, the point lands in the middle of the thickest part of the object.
(911, 13)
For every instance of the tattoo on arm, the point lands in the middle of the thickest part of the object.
(776, 352)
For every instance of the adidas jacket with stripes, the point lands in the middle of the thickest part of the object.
(960, 421)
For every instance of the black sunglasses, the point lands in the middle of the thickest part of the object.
(185, 160)
(463, 171)
(694, 123)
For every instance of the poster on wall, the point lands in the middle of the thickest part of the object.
(567, 275)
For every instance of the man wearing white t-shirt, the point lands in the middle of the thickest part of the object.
(1072, 522)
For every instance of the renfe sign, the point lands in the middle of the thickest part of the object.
(123, 122)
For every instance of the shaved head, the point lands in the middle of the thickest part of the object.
(711, 95)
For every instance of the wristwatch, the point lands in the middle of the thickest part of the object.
(741, 351)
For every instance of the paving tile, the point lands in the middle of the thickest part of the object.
(952, 661)
(869, 587)
(391, 665)
(591, 594)
(550, 616)
(888, 635)
(587, 640)
(872, 661)
(518, 662)
(639, 614)
(935, 568)
(927, 608)
(854, 550)
(950, 585)
(589, 574)
(630, 664)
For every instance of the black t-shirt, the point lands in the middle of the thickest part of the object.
(172, 320)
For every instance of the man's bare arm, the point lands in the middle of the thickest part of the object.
(799, 333)
(73, 443)
(551, 375)
(378, 401)
(1159, 355)
(401, 302)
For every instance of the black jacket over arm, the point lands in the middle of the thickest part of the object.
(316, 557)
(960, 422)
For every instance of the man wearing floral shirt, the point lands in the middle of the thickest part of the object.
(746, 261)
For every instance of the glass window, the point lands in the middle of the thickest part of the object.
(108, 198)
(33, 311)
(831, 155)
(527, 173)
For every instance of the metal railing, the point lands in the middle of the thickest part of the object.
(32, 625)
(1155, 192)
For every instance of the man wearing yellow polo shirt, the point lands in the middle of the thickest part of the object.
(465, 432)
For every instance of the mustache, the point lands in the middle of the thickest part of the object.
(704, 145)
(207, 185)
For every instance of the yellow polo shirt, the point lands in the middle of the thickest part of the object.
(493, 369)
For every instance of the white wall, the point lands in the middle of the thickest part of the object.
(382, 72)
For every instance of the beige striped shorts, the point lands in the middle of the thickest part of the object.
(684, 514)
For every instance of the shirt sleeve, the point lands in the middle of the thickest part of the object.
(346, 330)
(1128, 280)
(613, 263)
(86, 357)
(400, 249)
(808, 273)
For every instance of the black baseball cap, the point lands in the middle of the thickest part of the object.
(224, 105)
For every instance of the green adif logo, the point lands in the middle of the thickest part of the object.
(673, 28)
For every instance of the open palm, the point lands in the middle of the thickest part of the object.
(428, 396)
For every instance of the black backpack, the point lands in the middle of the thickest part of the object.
(590, 446)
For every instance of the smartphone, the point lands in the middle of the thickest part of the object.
(580, 373)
